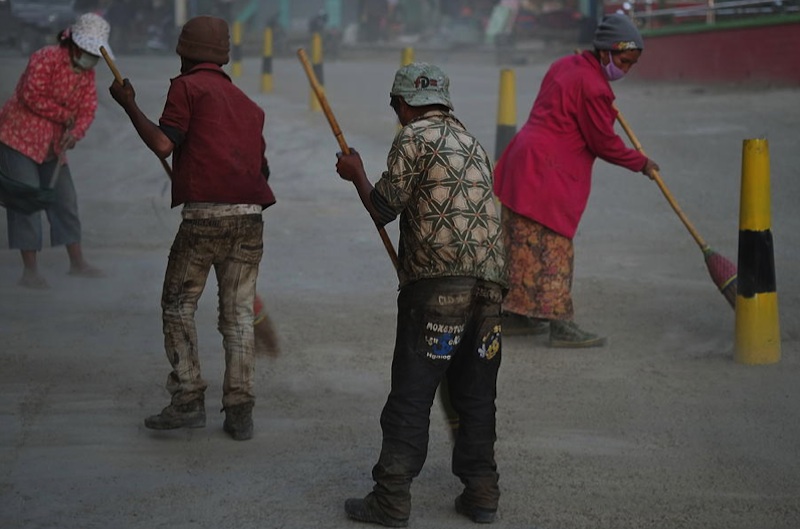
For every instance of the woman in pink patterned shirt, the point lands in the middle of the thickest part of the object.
(50, 111)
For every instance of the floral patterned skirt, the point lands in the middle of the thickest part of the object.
(540, 266)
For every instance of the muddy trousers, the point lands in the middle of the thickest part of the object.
(445, 328)
(233, 247)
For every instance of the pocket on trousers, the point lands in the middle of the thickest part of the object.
(440, 337)
(250, 253)
(490, 339)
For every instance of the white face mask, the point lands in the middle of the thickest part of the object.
(86, 61)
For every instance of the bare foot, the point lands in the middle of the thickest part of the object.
(32, 279)
(85, 270)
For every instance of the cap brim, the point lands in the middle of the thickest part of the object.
(92, 46)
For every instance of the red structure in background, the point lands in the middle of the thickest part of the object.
(763, 51)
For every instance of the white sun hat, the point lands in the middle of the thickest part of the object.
(90, 32)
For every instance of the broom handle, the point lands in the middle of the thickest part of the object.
(660, 182)
(57, 170)
(120, 80)
(323, 101)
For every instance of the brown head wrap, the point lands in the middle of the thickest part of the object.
(205, 39)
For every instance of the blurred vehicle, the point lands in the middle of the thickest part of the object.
(27, 25)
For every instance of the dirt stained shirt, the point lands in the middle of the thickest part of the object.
(217, 130)
(439, 180)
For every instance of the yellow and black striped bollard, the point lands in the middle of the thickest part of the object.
(757, 329)
(236, 52)
(506, 112)
(266, 63)
(407, 56)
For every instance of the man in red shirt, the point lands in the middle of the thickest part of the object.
(544, 176)
(214, 133)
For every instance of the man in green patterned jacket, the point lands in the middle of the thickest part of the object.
(452, 278)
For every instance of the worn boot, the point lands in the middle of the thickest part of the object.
(189, 415)
(567, 334)
(473, 512)
(368, 510)
(239, 421)
(518, 325)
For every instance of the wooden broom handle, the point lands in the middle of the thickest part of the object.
(660, 182)
(120, 80)
(111, 65)
(657, 177)
(323, 102)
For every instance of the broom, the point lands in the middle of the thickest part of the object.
(337, 132)
(723, 272)
(266, 339)
(444, 393)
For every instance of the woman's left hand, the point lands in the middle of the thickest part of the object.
(68, 141)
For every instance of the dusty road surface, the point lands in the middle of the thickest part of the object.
(660, 429)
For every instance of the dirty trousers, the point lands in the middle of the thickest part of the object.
(233, 246)
(445, 327)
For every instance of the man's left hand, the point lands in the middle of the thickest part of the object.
(124, 94)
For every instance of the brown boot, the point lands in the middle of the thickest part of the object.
(189, 415)
(367, 510)
(239, 421)
(473, 512)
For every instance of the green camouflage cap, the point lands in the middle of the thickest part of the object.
(421, 84)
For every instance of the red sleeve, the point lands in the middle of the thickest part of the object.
(35, 87)
(177, 110)
(596, 122)
(87, 105)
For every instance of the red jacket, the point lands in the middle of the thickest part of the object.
(218, 130)
(545, 173)
(48, 94)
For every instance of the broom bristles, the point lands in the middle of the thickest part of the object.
(266, 338)
(723, 273)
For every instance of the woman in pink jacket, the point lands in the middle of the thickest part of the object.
(544, 177)
(50, 111)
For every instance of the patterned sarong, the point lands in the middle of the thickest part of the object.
(540, 265)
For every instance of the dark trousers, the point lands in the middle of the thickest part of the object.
(445, 327)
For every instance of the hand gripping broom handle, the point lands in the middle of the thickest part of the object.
(120, 80)
(323, 102)
(661, 185)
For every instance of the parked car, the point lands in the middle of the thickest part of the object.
(27, 25)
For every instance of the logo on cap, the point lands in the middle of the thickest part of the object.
(624, 45)
(423, 82)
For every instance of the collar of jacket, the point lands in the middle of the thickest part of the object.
(205, 66)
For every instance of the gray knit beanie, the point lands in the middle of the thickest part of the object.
(617, 32)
